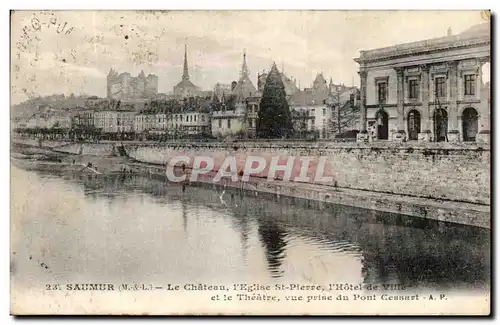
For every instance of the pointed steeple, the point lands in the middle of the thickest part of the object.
(185, 73)
(244, 68)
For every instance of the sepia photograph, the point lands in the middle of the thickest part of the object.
(250, 162)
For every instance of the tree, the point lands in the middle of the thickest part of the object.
(344, 113)
(274, 118)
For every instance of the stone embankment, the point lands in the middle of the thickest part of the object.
(442, 181)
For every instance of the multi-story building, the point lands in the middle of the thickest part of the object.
(84, 117)
(236, 114)
(196, 123)
(123, 86)
(143, 122)
(431, 90)
(321, 104)
(314, 102)
(115, 121)
(228, 119)
(191, 118)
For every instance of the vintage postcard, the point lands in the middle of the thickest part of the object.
(250, 162)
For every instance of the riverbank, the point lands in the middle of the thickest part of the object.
(447, 211)
(426, 203)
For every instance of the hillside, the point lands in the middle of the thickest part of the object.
(57, 102)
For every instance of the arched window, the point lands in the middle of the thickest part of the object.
(469, 124)
(382, 125)
(413, 124)
(440, 125)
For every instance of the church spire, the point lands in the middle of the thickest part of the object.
(185, 74)
(244, 68)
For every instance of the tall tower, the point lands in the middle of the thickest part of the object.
(185, 73)
(244, 68)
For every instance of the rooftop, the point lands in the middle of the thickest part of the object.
(476, 34)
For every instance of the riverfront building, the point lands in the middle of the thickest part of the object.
(320, 103)
(235, 114)
(115, 121)
(431, 90)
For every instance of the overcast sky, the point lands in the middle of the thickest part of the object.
(305, 42)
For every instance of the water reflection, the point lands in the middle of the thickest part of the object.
(250, 236)
(273, 239)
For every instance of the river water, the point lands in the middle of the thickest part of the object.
(122, 228)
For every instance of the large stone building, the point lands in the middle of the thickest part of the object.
(319, 104)
(123, 86)
(114, 121)
(185, 88)
(188, 118)
(431, 90)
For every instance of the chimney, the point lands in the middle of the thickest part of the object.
(449, 32)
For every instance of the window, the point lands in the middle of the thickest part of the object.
(382, 92)
(220, 124)
(324, 111)
(440, 87)
(414, 89)
(228, 123)
(195, 118)
(203, 118)
(470, 84)
(251, 123)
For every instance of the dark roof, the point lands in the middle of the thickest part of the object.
(244, 89)
(308, 97)
(186, 84)
(477, 34)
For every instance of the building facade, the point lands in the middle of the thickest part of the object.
(318, 106)
(115, 121)
(228, 121)
(123, 86)
(237, 116)
(84, 117)
(432, 90)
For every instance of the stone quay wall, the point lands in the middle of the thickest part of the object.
(441, 171)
